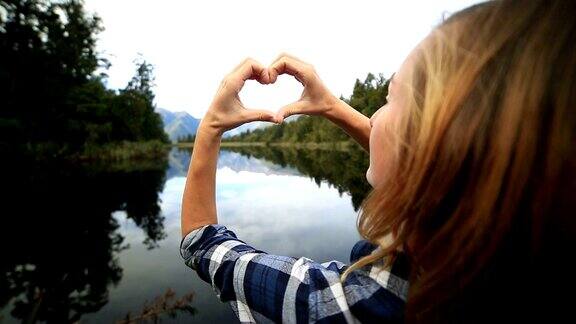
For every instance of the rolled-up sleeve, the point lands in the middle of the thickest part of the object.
(263, 287)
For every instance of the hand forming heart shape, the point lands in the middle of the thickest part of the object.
(227, 111)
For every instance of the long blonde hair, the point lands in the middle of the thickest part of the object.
(483, 151)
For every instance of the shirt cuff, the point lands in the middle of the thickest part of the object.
(191, 242)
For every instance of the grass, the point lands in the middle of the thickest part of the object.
(124, 151)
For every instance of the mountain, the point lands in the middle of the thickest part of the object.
(242, 128)
(178, 124)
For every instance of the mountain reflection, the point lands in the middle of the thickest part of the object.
(343, 169)
(59, 238)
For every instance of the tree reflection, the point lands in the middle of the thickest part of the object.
(344, 169)
(59, 238)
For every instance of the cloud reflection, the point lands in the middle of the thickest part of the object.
(280, 214)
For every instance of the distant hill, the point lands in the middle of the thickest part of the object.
(178, 124)
(242, 128)
(254, 125)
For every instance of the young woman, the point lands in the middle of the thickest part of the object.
(472, 162)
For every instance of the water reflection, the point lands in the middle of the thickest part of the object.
(96, 242)
(60, 242)
(343, 169)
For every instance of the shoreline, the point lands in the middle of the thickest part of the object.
(340, 146)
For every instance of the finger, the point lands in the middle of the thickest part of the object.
(249, 115)
(249, 69)
(289, 110)
(287, 65)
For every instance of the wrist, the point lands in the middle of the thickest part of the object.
(209, 130)
(335, 109)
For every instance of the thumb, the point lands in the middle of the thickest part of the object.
(294, 108)
(250, 115)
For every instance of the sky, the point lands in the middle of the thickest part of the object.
(194, 44)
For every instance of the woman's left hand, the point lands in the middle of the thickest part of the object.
(226, 110)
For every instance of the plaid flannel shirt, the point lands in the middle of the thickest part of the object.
(269, 288)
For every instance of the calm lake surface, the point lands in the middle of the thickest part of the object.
(94, 243)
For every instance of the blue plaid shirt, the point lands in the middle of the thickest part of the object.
(267, 288)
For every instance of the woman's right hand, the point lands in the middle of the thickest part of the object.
(316, 99)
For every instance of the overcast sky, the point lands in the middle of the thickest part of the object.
(194, 44)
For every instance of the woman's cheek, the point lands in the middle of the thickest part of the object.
(376, 153)
(369, 177)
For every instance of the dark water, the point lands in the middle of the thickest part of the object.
(92, 243)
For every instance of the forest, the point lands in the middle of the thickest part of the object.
(55, 103)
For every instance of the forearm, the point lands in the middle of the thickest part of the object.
(351, 121)
(199, 200)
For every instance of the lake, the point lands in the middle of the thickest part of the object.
(96, 243)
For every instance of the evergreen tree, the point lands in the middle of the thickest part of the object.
(52, 97)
